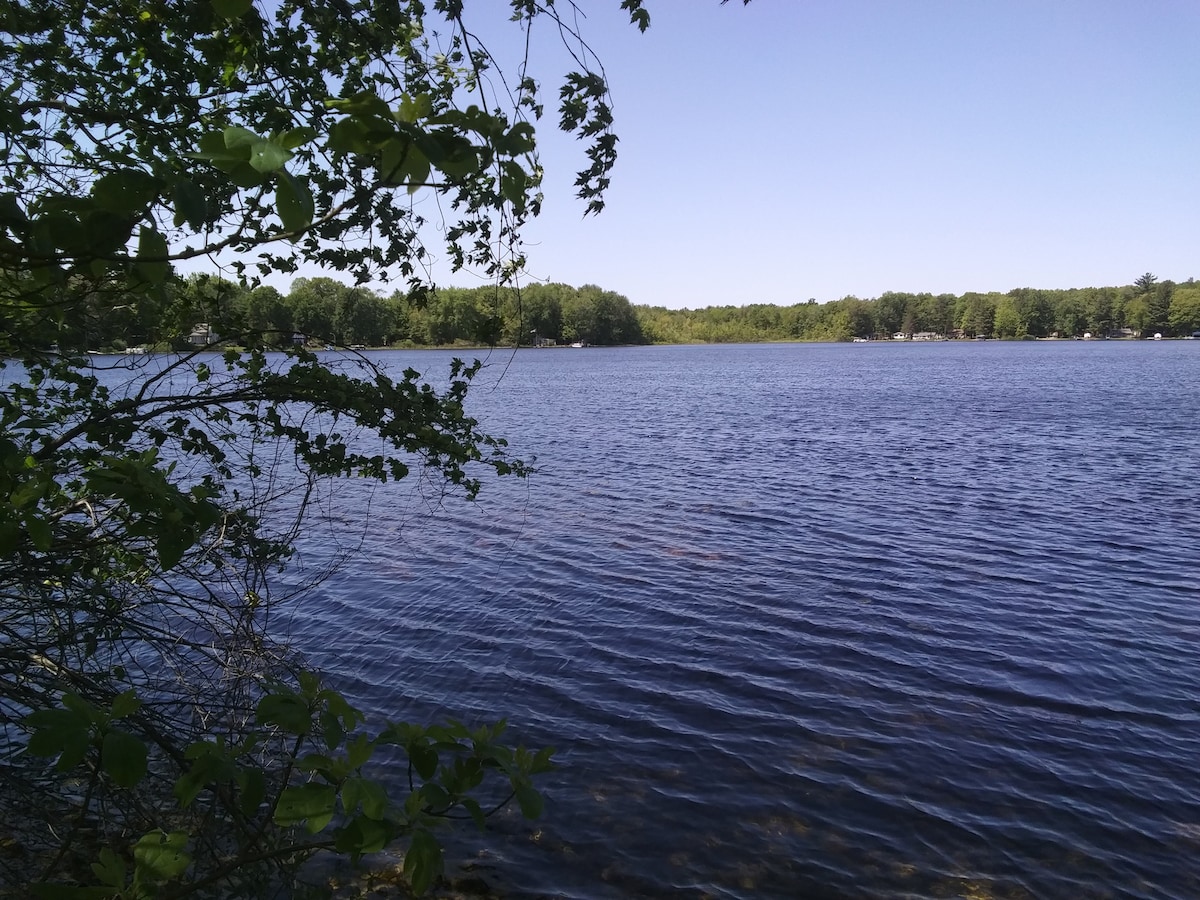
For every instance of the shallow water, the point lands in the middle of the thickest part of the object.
(869, 620)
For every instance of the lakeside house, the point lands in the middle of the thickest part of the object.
(202, 335)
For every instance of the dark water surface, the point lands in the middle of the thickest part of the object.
(813, 620)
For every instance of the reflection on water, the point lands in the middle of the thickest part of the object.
(858, 620)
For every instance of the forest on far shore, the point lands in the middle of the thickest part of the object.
(323, 310)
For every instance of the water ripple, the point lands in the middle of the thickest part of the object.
(816, 621)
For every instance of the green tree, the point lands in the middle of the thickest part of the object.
(1070, 315)
(315, 305)
(540, 312)
(1183, 316)
(596, 316)
(859, 322)
(460, 316)
(1034, 314)
(267, 313)
(402, 315)
(1158, 305)
(889, 313)
(365, 318)
(1102, 310)
(976, 314)
(1147, 306)
(170, 743)
(1007, 320)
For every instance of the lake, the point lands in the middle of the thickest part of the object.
(859, 620)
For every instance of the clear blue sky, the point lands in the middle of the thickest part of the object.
(790, 149)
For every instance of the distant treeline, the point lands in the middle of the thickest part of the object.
(317, 310)
(1144, 308)
(323, 310)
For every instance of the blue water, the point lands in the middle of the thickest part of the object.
(863, 620)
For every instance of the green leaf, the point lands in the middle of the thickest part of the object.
(637, 15)
(359, 750)
(160, 856)
(211, 763)
(394, 159)
(253, 783)
(80, 707)
(513, 184)
(232, 9)
(319, 762)
(27, 493)
(363, 836)
(348, 136)
(435, 796)
(424, 759)
(374, 800)
(40, 532)
(362, 104)
(520, 139)
(125, 191)
(236, 138)
(402, 161)
(542, 761)
(188, 786)
(191, 206)
(110, 869)
(152, 264)
(352, 794)
(172, 543)
(472, 806)
(414, 108)
(331, 729)
(459, 159)
(62, 732)
(123, 757)
(10, 537)
(417, 169)
(529, 800)
(214, 148)
(125, 704)
(286, 711)
(423, 861)
(293, 202)
(244, 175)
(296, 137)
(267, 157)
(311, 803)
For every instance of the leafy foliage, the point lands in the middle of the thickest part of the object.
(1020, 313)
(158, 740)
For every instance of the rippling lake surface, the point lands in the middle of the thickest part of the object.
(861, 620)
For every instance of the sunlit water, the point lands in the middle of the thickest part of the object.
(848, 620)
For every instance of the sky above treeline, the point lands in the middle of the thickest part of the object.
(815, 149)
(789, 150)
